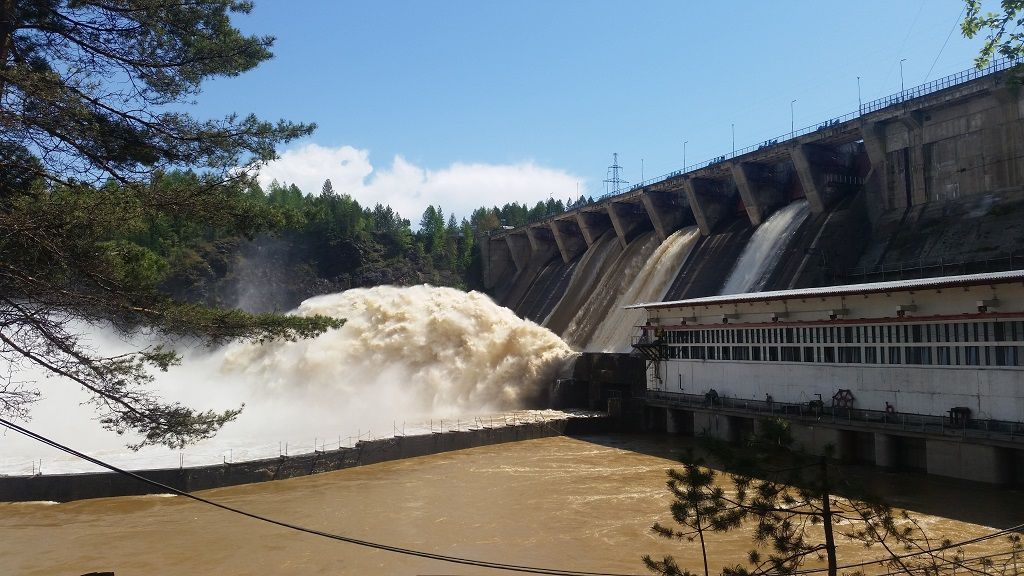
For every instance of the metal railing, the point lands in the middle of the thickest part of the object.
(928, 267)
(817, 411)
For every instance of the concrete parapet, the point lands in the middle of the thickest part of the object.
(592, 225)
(667, 211)
(568, 238)
(708, 205)
(627, 218)
(68, 487)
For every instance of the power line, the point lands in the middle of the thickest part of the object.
(329, 535)
(948, 36)
(962, 563)
(1003, 532)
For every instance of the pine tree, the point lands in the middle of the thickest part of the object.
(91, 121)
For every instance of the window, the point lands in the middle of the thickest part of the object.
(894, 355)
(808, 354)
(942, 356)
(870, 355)
(829, 354)
(917, 355)
(999, 333)
(741, 353)
(972, 356)
(755, 353)
(790, 353)
(773, 354)
(849, 354)
(1006, 356)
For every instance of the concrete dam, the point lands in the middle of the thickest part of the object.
(927, 182)
(860, 278)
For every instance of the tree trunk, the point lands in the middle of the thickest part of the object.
(826, 516)
(703, 551)
(6, 38)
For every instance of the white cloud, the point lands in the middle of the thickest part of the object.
(409, 189)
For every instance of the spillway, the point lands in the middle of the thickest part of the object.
(616, 330)
(765, 248)
(613, 284)
(592, 267)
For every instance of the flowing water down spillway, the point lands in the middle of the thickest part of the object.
(614, 283)
(404, 355)
(649, 285)
(765, 248)
(593, 266)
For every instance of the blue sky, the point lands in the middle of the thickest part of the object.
(463, 103)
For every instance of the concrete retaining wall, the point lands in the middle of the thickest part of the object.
(67, 487)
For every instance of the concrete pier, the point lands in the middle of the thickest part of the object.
(969, 461)
(568, 238)
(628, 219)
(760, 196)
(542, 244)
(668, 210)
(593, 225)
(519, 248)
(710, 206)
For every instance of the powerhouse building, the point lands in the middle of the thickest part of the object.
(930, 358)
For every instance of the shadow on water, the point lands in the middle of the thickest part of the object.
(960, 500)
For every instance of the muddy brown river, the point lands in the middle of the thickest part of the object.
(576, 504)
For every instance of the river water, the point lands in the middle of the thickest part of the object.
(580, 504)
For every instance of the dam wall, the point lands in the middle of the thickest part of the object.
(68, 487)
(937, 169)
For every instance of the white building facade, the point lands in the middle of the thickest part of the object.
(916, 347)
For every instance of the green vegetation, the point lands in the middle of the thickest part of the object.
(1004, 36)
(94, 209)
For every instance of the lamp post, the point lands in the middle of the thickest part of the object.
(901, 77)
(684, 154)
(860, 106)
(733, 138)
(792, 124)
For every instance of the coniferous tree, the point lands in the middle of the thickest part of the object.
(789, 500)
(90, 118)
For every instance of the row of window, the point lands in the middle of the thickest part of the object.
(952, 332)
(920, 355)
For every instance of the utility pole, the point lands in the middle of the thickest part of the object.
(901, 78)
(792, 125)
(860, 106)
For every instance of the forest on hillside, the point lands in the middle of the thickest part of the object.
(319, 243)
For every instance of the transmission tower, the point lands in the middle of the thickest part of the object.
(613, 183)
